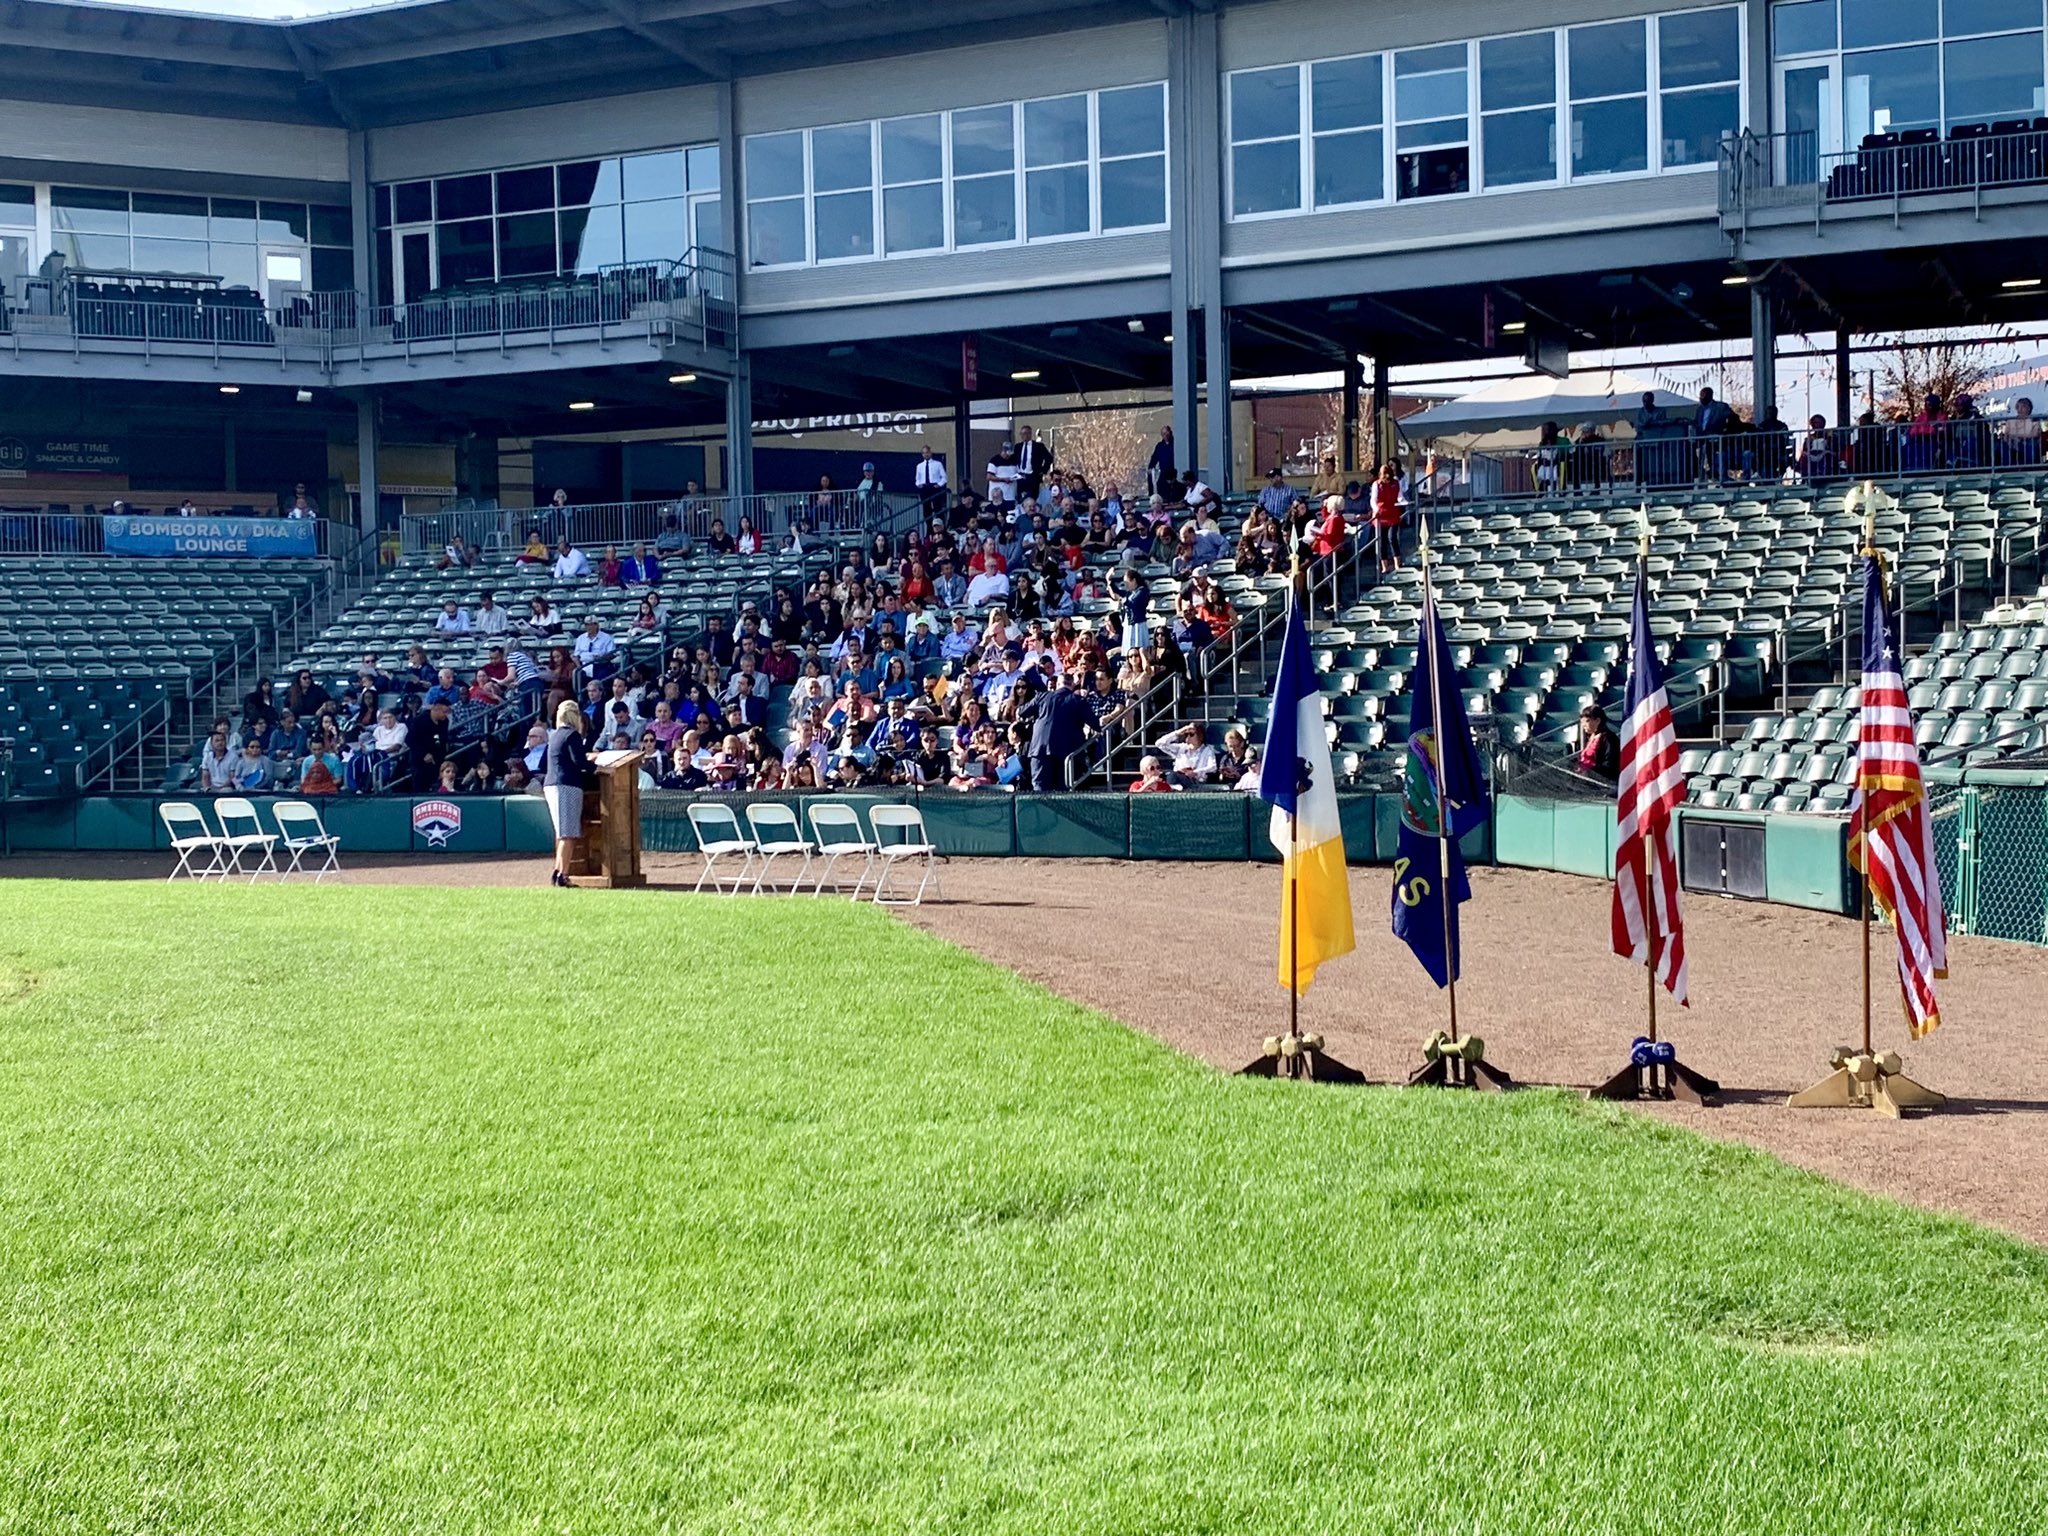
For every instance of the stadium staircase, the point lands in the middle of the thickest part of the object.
(109, 665)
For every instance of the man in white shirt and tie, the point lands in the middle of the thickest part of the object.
(931, 482)
(1034, 462)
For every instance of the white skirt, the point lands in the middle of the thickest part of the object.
(565, 805)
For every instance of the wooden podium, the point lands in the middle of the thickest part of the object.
(608, 853)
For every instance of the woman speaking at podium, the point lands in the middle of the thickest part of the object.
(568, 767)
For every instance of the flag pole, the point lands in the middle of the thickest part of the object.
(1649, 843)
(1862, 802)
(1443, 810)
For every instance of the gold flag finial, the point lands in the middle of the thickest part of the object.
(1643, 531)
(1869, 517)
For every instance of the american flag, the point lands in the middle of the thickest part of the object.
(1646, 915)
(1891, 824)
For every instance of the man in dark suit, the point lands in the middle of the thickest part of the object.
(745, 710)
(1060, 721)
(1034, 463)
(426, 745)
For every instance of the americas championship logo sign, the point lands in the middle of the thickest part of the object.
(438, 821)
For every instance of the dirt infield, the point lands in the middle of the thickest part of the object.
(1186, 953)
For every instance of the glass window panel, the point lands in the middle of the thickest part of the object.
(1609, 137)
(13, 196)
(235, 266)
(1960, 18)
(1888, 91)
(1993, 77)
(775, 166)
(1433, 173)
(658, 230)
(1265, 178)
(380, 199)
(92, 252)
(842, 159)
(775, 233)
(1131, 121)
(843, 225)
(462, 197)
(703, 168)
(1134, 192)
(1419, 135)
(1518, 71)
(1427, 61)
(651, 176)
(1056, 131)
(467, 252)
(89, 210)
(1056, 202)
(984, 207)
(592, 238)
(914, 218)
(1803, 26)
(982, 141)
(183, 256)
(284, 223)
(525, 191)
(1346, 93)
(1418, 98)
(165, 217)
(1869, 23)
(1607, 60)
(1519, 147)
(414, 202)
(597, 181)
(1350, 167)
(334, 271)
(1694, 122)
(1699, 48)
(526, 245)
(911, 149)
(1265, 104)
(332, 226)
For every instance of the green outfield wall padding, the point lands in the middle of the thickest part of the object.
(369, 825)
(528, 828)
(461, 824)
(976, 824)
(130, 825)
(1074, 826)
(1359, 816)
(1806, 863)
(1583, 831)
(41, 826)
(1192, 826)
(1525, 832)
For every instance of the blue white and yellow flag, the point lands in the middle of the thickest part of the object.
(1296, 777)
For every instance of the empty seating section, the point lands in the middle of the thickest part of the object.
(1536, 602)
(91, 647)
(2008, 152)
(134, 307)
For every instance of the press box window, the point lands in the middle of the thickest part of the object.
(1432, 127)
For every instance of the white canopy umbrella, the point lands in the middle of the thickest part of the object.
(1523, 404)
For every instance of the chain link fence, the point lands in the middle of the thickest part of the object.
(1991, 846)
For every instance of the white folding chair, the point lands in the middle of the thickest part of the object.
(719, 836)
(236, 813)
(301, 832)
(190, 835)
(900, 838)
(837, 831)
(777, 834)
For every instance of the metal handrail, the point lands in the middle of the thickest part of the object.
(1789, 168)
(593, 525)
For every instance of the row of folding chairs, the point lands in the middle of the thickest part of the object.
(894, 839)
(241, 846)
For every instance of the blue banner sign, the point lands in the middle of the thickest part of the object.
(240, 538)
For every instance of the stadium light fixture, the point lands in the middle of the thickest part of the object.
(1736, 280)
(2021, 282)
(1513, 327)
(231, 389)
(305, 397)
(582, 405)
(682, 378)
(1025, 375)
(1167, 338)
(1135, 327)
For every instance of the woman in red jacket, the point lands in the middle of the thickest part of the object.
(1387, 515)
(1331, 534)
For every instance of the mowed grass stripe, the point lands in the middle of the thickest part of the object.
(407, 1209)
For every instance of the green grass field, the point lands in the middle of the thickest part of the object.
(419, 1210)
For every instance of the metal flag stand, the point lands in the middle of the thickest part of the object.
(1654, 1070)
(1865, 1078)
(1449, 1059)
(1294, 1054)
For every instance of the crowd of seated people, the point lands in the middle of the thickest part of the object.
(957, 656)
